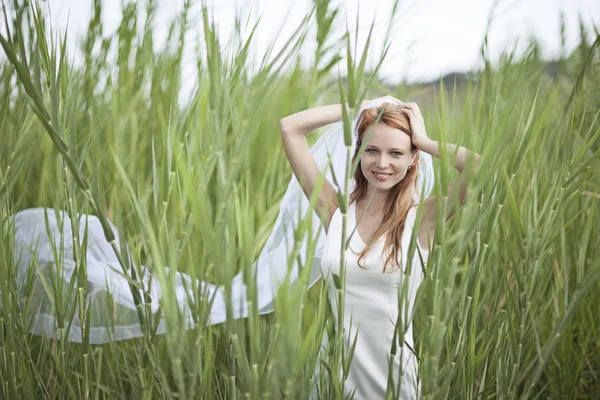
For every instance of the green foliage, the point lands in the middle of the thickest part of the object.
(509, 305)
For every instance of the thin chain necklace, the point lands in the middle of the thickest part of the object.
(361, 223)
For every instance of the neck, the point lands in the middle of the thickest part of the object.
(374, 202)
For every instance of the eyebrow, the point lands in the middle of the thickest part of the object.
(393, 149)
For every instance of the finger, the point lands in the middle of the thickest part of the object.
(407, 109)
(413, 109)
(408, 112)
(412, 106)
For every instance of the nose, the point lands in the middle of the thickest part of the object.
(382, 161)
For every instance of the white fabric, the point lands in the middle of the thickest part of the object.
(374, 303)
(34, 256)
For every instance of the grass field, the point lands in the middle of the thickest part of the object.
(510, 302)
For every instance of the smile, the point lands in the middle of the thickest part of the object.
(381, 176)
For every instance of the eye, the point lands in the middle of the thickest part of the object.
(372, 151)
(396, 154)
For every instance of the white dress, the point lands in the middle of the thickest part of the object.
(374, 303)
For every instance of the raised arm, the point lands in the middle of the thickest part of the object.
(294, 129)
(463, 156)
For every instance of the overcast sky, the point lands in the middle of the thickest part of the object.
(430, 37)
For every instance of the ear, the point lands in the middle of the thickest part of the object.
(413, 158)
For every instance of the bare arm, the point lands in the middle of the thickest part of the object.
(294, 129)
(462, 154)
(457, 186)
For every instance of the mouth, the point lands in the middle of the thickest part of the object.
(381, 176)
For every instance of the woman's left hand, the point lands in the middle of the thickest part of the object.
(417, 123)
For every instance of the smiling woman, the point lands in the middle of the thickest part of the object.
(378, 276)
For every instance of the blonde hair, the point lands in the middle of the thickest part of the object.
(400, 199)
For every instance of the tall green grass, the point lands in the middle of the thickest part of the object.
(508, 308)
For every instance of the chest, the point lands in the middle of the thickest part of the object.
(360, 231)
(367, 226)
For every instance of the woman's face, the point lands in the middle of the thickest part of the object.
(386, 157)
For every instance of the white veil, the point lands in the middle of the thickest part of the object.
(38, 231)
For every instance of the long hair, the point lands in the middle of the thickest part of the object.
(400, 197)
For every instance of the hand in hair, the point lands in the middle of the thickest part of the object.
(417, 124)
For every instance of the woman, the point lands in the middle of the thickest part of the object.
(380, 283)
